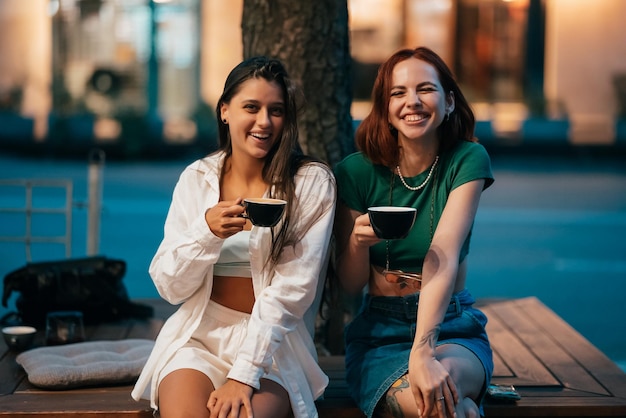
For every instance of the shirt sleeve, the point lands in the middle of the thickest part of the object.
(295, 279)
(188, 248)
(470, 161)
(352, 175)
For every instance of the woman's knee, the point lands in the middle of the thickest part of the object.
(468, 409)
(184, 393)
(271, 401)
(464, 367)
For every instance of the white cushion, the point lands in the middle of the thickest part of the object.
(93, 363)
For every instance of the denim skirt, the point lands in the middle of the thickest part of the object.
(379, 341)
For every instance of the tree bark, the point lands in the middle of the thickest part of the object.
(311, 38)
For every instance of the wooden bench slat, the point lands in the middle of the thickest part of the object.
(573, 364)
(67, 403)
(566, 407)
(603, 370)
(527, 369)
(547, 346)
(500, 368)
(110, 331)
(11, 373)
(146, 330)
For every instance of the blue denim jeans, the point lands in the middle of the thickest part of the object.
(379, 341)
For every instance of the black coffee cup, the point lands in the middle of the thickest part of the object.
(264, 211)
(391, 222)
(19, 338)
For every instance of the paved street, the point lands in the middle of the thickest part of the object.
(551, 227)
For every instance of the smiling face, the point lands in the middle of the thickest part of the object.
(255, 116)
(417, 102)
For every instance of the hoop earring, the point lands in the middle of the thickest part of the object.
(225, 121)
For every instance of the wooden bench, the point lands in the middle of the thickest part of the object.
(556, 370)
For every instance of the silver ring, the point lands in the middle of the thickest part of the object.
(443, 398)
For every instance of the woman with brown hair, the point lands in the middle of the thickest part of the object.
(241, 342)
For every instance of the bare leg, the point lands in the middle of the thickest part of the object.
(468, 408)
(184, 393)
(271, 401)
(467, 373)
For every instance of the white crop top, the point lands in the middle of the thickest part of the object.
(235, 257)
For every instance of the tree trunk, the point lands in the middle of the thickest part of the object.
(311, 39)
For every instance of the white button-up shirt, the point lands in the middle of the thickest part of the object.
(281, 326)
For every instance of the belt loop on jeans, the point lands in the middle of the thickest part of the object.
(457, 305)
(410, 306)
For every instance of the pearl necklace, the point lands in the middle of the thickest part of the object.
(432, 213)
(421, 186)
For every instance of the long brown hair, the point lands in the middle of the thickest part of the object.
(379, 142)
(286, 156)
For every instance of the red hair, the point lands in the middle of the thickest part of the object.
(379, 142)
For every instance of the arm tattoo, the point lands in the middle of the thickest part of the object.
(430, 339)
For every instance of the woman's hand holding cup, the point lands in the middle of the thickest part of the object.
(224, 219)
(362, 233)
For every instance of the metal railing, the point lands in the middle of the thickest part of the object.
(94, 208)
(29, 210)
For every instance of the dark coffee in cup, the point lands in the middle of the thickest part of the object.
(263, 211)
(392, 222)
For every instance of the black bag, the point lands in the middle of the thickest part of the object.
(92, 285)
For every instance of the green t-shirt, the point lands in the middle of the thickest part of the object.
(362, 184)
